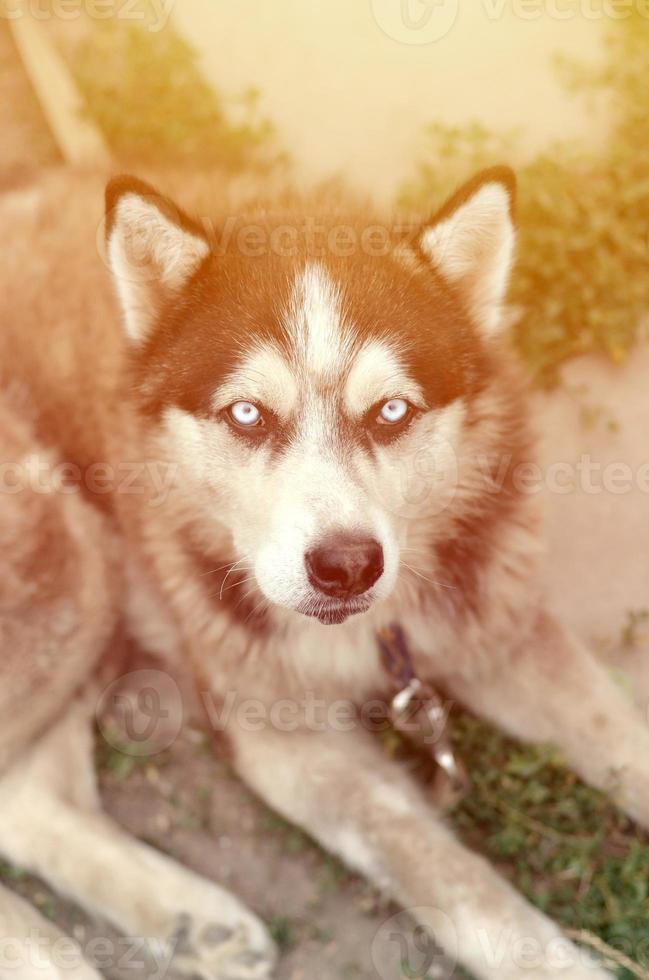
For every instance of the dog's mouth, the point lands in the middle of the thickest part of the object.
(333, 613)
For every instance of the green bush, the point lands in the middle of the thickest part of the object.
(145, 93)
(582, 279)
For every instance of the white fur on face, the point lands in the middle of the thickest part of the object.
(315, 324)
(375, 375)
(314, 494)
(276, 506)
(265, 378)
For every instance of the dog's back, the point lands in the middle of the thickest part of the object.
(58, 343)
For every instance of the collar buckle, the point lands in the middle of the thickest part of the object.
(417, 711)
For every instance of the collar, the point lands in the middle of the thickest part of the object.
(417, 711)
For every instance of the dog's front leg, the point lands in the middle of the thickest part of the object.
(549, 688)
(31, 948)
(341, 789)
(52, 825)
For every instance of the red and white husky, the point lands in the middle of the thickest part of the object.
(319, 420)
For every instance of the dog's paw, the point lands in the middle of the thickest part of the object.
(204, 950)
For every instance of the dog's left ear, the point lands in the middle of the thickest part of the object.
(471, 242)
(153, 250)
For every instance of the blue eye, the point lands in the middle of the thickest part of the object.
(245, 414)
(393, 411)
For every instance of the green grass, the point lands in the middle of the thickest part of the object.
(282, 930)
(562, 844)
(10, 872)
(121, 757)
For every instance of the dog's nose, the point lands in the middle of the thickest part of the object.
(344, 566)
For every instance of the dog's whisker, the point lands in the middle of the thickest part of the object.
(242, 581)
(227, 574)
(233, 585)
(441, 585)
(245, 596)
(259, 605)
(213, 571)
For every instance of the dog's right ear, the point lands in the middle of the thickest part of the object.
(153, 249)
(471, 240)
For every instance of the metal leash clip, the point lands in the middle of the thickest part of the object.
(417, 711)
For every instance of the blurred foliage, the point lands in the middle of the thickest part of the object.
(582, 277)
(144, 91)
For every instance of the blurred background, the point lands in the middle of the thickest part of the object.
(400, 100)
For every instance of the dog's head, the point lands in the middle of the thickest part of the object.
(310, 378)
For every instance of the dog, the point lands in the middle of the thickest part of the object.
(303, 433)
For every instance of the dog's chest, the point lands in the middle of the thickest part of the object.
(348, 662)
